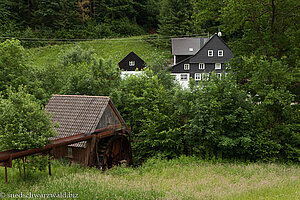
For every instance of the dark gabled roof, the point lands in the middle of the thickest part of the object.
(78, 114)
(214, 35)
(182, 61)
(181, 46)
(131, 53)
(206, 43)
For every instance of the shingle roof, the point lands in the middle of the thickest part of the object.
(187, 46)
(77, 114)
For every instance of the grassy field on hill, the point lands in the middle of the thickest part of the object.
(114, 49)
(183, 178)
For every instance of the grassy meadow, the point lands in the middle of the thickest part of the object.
(107, 49)
(183, 178)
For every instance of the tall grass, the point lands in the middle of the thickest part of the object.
(183, 178)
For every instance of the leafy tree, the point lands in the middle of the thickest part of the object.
(147, 106)
(13, 71)
(79, 72)
(218, 119)
(175, 17)
(275, 114)
(268, 27)
(24, 123)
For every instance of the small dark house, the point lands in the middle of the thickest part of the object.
(131, 62)
(78, 114)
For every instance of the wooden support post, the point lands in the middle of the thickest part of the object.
(49, 163)
(5, 174)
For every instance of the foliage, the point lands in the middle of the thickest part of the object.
(24, 123)
(147, 106)
(175, 17)
(207, 15)
(73, 19)
(276, 115)
(79, 72)
(266, 27)
(13, 71)
(218, 119)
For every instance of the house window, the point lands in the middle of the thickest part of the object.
(201, 66)
(184, 77)
(220, 53)
(131, 63)
(219, 75)
(191, 49)
(218, 66)
(197, 76)
(186, 66)
(210, 53)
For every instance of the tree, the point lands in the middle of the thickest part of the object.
(13, 71)
(24, 123)
(207, 15)
(79, 72)
(175, 17)
(276, 114)
(268, 27)
(147, 106)
(218, 119)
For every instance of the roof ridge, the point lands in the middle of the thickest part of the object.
(58, 95)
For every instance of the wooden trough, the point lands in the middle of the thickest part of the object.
(91, 132)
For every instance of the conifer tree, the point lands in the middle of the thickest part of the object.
(175, 17)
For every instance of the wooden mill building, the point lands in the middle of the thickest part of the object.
(77, 114)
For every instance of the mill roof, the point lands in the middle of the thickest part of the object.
(77, 114)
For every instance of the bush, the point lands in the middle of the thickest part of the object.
(147, 106)
(24, 123)
(219, 119)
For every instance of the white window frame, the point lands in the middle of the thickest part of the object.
(187, 77)
(186, 66)
(210, 53)
(219, 75)
(198, 78)
(220, 53)
(201, 65)
(131, 63)
(218, 66)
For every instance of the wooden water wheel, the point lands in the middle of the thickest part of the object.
(113, 151)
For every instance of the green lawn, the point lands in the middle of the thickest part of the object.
(183, 178)
(114, 49)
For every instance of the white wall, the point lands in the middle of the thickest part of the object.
(184, 84)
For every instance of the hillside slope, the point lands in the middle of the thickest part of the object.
(114, 49)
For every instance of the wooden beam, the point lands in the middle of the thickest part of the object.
(49, 166)
(6, 175)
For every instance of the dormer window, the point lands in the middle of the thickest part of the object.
(191, 49)
(201, 66)
(220, 53)
(218, 66)
(210, 53)
(131, 63)
(186, 66)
